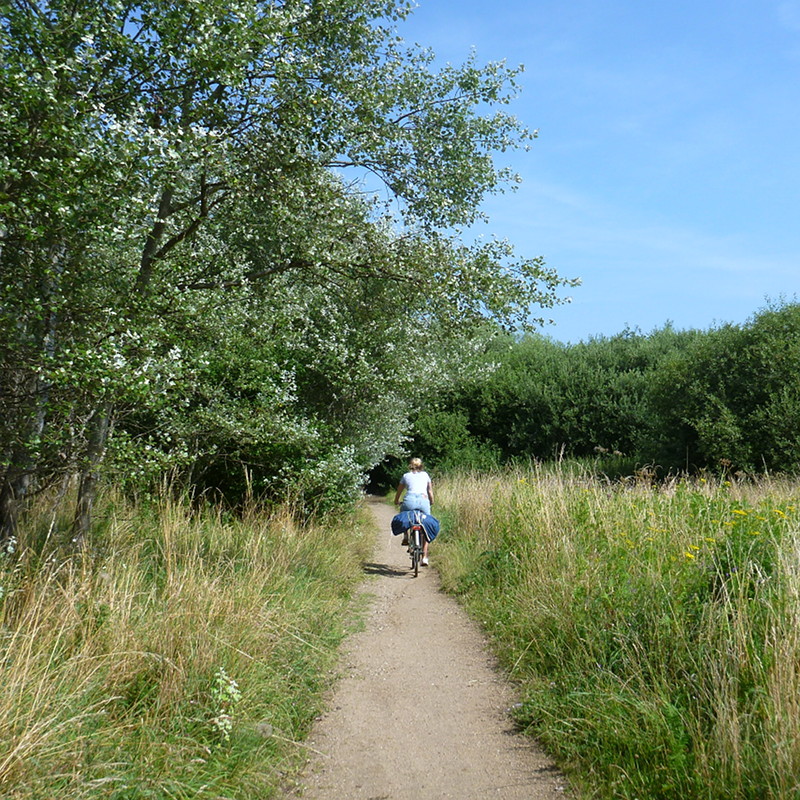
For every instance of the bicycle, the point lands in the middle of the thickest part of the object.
(416, 544)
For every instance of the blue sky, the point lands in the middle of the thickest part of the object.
(666, 174)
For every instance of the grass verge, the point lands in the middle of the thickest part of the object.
(182, 655)
(655, 630)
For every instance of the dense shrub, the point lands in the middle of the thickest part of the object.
(731, 398)
(724, 399)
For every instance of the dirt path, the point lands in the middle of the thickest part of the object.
(445, 733)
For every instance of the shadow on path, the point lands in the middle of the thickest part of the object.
(374, 568)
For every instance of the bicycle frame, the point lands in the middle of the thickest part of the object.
(416, 543)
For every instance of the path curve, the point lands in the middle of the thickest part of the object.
(444, 734)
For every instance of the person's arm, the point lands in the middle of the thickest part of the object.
(430, 492)
(398, 493)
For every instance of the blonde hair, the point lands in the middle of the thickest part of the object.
(415, 464)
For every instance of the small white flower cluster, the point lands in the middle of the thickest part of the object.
(226, 694)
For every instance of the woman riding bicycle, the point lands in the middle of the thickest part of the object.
(418, 495)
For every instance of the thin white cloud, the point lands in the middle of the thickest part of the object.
(562, 223)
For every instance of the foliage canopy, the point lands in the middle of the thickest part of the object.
(190, 277)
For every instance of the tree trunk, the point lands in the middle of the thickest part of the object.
(87, 488)
(19, 473)
(23, 398)
(12, 496)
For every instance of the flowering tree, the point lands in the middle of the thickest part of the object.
(174, 179)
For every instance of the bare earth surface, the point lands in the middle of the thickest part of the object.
(420, 711)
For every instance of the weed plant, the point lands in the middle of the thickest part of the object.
(181, 655)
(654, 629)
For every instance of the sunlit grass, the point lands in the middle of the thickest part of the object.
(654, 629)
(122, 665)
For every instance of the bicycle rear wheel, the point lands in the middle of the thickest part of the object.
(416, 549)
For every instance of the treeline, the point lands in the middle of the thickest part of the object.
(726, 399)
(190, 282)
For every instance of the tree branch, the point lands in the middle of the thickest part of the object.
(153, 238)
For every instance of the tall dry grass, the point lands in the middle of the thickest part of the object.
(182, 655)
(654, 628)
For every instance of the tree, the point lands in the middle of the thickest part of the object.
(164, 157)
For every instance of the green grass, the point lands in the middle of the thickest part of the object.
(183, 655)
(654, 629)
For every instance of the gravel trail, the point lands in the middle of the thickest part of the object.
(420, 711)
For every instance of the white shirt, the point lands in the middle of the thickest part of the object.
(416, 482)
